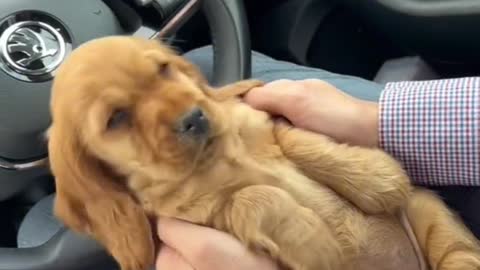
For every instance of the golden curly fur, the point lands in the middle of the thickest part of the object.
(119, 158)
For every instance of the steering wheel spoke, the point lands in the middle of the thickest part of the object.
(175, 13)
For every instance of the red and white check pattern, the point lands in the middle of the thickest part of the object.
(433, 128)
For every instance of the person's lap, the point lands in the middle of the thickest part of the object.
(465, 200)
(268, 69)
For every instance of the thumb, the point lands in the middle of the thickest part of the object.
(201, 246)
(276, 97)
(181, 236)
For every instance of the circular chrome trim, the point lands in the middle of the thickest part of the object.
(143, 2)
(41, 27)
(6, 53)
(23, 165)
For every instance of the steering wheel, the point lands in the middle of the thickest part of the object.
(35, 37)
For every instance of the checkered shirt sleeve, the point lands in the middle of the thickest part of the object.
(433, 128)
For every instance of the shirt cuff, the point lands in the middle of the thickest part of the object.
(433, 128)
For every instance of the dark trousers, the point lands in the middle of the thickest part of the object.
(466, 202)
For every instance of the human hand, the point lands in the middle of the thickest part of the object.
(318, 106)
(191, 247)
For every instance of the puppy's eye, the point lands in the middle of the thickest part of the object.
(119, 118)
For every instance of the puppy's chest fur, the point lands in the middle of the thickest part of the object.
(250, 157)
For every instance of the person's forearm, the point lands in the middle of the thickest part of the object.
(433, 128)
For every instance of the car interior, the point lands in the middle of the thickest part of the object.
(378, 40)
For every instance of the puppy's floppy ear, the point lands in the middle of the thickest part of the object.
(169, 57)
(90, 201)
(234, 90)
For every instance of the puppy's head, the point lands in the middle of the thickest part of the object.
(123, 106)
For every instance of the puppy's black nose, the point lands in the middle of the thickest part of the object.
(194, 123)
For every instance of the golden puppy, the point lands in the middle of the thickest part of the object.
(138, 133)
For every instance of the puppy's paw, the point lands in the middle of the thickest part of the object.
(249, 84)
(460, 260)
(238, 89)
(281, 127)
(242, 87)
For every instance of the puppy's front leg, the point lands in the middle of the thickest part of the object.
(234, 89)
(268, 218)
(446, 243)
(369, 178)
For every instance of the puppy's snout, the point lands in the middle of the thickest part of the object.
(195, 123)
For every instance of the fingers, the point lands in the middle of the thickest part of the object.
(169, 259)
(275, 97)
